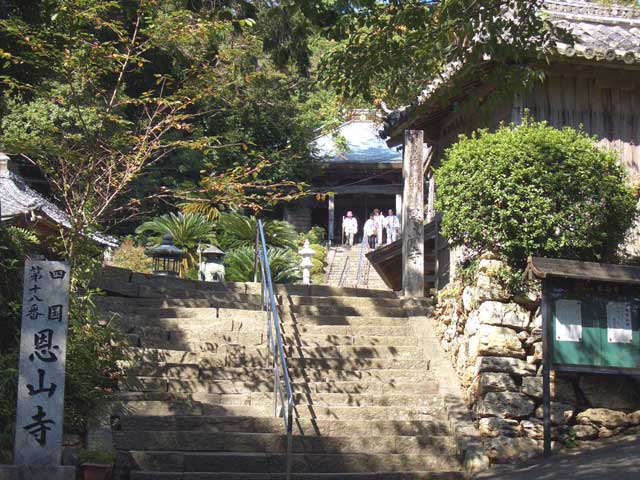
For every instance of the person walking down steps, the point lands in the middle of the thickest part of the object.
(370, 232)
(350, 228)
(392, 227)
(379, 220)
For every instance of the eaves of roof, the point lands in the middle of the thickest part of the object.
(605, 35)
(17, 198)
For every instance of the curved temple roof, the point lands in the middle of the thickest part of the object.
(17, 198)
(364, 145)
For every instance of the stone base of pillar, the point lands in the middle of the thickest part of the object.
(37, 472)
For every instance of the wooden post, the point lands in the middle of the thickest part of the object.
(413, 215)
(545, 307)
(331, 219)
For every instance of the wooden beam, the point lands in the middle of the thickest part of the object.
(413, 215)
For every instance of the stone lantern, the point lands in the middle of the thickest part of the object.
(166, 257)
(307, 253)
(211, 268)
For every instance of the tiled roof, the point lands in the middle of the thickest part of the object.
(607, 33)
(17, 198)
(363, 145)
(599, 33)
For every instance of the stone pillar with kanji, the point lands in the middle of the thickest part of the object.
(43, 342)
(413, 215)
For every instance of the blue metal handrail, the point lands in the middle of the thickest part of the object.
(360, 258)
(276, 349)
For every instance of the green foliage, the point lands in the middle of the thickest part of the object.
(15, 244)
(319, 262)
(91, 363)
(187, 229)
(235, 230)
(534, 190)
(571, 439)
(8, 387)
(239, 265)
(317, 235)
(390, 49)
(96, 455)
(122, 104)
(132, 256)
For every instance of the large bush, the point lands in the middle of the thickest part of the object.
(534, 190)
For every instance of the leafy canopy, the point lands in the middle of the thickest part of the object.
(534, 190)
(390, 49)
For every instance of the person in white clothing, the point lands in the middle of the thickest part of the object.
(370, 232)
(349, 227)
(392, 227)
(378, 218)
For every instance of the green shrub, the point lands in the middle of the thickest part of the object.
(237, 230)
(317, 235)
(96, 455)
(239, 264)
(132, 256)
(534, 190)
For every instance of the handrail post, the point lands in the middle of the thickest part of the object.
(360, 262)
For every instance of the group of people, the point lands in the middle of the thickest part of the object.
(376, 229)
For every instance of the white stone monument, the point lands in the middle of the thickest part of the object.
(307, 253)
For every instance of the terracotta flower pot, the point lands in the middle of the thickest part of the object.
(95, 471)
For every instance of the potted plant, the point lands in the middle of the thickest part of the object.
(95, 464)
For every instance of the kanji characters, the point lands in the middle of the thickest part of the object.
(55, 313)
(40, 426)
(34, 312)
(57, 274)
(41, 388)
(43, 346)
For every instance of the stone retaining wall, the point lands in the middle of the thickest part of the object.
(495, 344)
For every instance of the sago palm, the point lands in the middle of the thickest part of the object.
(239, 264)
(188, 230)
(237, 230)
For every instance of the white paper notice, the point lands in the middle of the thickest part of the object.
(619, 322)
(568, 319)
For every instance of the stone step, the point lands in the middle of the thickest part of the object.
(415, 475)
(271, 424)
(299, 300)
(252, 375)
(302, 399)
(322, 340)
(241, 462)
(350, 352)
(200, 300)
(317, 369)
(154, 286)
(352, 330)
(137, 314)
(354, 320)
(156, 384)
(214, 405)
(152, 337)
(356, 310)
(185, 441)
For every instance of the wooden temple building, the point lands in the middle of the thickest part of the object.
(592, 82)
(359, 173)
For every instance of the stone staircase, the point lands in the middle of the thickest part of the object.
(337, 256)
(195, 400)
